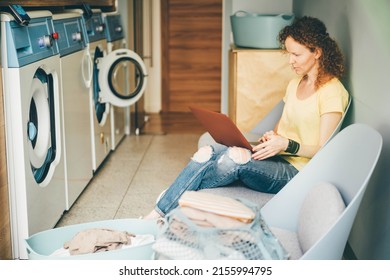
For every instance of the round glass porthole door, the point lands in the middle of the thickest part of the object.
(101, 108)
(41, 127)
(122, 78)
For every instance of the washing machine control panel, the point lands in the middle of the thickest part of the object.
(114, 27)
(71, 37)
(27, 44)
(95, 27)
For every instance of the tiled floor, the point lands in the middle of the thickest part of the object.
(132, 177)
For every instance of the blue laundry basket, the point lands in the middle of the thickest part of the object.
(41, 246)
(261, 31)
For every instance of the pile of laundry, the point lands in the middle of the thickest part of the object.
(97, 240)
(209, 226)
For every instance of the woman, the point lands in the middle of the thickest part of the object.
(314, 105)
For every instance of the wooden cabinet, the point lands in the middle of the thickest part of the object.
(257, 82)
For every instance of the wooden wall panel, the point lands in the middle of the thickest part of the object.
(192, 43)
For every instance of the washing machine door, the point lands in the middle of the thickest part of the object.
(87, 69)
(102, 108)
(41, 127)
(122, 77)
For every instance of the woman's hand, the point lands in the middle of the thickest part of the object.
(270, 144)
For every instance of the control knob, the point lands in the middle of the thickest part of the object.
(45, 41)
(100, 28)
(76, 36)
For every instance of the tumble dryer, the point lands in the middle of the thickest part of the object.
(109, 69)
(76, 76)
(32, 99)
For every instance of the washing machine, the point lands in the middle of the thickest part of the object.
(120, 116)
(76, 77)
(32, 102)
(107, 90)
(99, 110)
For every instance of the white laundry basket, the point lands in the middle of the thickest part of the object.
(252, 30)
(41, 246)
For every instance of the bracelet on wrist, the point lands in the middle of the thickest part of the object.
(293, 147)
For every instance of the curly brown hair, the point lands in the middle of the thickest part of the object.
(312, 33)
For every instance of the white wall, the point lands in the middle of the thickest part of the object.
(122, 6)
(362, 29)
(152, 49)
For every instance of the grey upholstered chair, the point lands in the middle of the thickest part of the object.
(308, 216)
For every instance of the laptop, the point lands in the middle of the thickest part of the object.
(221, 128)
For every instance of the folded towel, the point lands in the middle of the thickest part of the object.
(220, 205)
(207, 219)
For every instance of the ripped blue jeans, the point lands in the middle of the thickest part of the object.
(217, 165)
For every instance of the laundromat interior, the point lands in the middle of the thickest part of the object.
(76, 147)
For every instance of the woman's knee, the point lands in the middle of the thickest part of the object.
(239, 155)
(236, 154)
(203, 154)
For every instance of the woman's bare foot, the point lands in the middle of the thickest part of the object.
(153, 215)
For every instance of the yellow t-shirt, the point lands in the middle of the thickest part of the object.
(300, 120)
